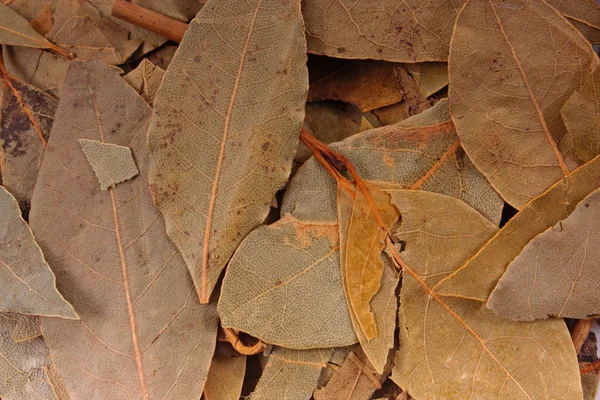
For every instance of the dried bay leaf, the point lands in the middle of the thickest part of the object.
(142, 332)
(27, 327)
(430, 76)
(42, 23)
(504, 99)
(581, 114)
(146, 79)
(283, 286)
(556, 273)
(583, 14)
(291, 374)
(422, 152)
(27, 285)
(478, 276)
(225, 378)
(454, 348)
(225, 128)
(111, 163)
(26, 116)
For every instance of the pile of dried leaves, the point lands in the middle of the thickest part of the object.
(317, 199)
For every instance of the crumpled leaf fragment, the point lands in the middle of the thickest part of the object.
(478, 276)
(283, 286)
(455, 348)
(23, 364)
(556, 273)
(422, 152)
(430, 76)
(146, 79)
(583, 14)
(504, 99)
(26, 116)
(225, 378)
(225, 128)
(291, 374)
(27, 284)
(27, 327)
(581, 114)
(42, 23)
(111, 163)
(142, 333)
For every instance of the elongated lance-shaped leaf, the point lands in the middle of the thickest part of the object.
(142, 333)
(506, 101)
(226, 123)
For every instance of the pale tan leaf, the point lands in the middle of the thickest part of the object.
(81, 29)
(27, 285)
(556, 204)
(581, 114)
(111, 163)
(42, 23)
(146, 79)
(29, 9)
(506, 100)
(410, 31)
(454, 348)
(27, 327)
(362, 240)
(557, 272)
(365, 125)
(225, 128)
(283, 286)
(22, 365)
(58, 386)
(583, 14)
(26, 116)
(356, 380)
(142, 333)
(291, 374)
(225, 378)
(430, 76)
(39, 68)
(422, 152)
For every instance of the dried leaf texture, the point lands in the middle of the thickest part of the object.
(422, 152)
(504, 98)
(479, 275)
(146, 79)
(455, 348)
(111, 163)
(26, 116)
(27, 285)
(225, 127)
(430, 76)
(142, 333)
(556, 273)
(29, 9)
(42, 23)
(581, 114)
(225, 378)
(22, 365)
(583, 14)
(27, 327)
(291, 374)
(283, 285)
(412, 31)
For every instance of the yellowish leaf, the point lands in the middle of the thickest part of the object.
(225, 128)
(111, 163)
(506, 101)
(142, 333)
(225, 378)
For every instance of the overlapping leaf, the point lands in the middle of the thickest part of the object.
(583, 14)
(225, 378)
(146, 79)
(142, 333)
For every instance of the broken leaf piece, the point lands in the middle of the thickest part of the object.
(581, 114)
(291, 374)
(556, 273)
(146, 79)
(430, 76)
(27, 285)
(479, 275)
(225, 128)
(42, 23)
(504, 99)
(26, 117)
(111, 163)
(27, 327)
(455, 348)
(225, 378)
(583, 14)
(283, 286)
(142, 333)
(22, 365)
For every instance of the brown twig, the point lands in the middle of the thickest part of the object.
(581, 331)
(150, 20)
(232, 337)
(591, 367)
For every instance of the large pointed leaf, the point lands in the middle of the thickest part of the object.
(479, 275)
(26, 281)
(507, 89)
(454, 348)
(557, 273)
(422, 152)
(283, 286)
(225, 127)
(142, 333)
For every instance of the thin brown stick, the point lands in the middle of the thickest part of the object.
(581, 331)
(150, 20)
(591, 367)
(233, 338)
